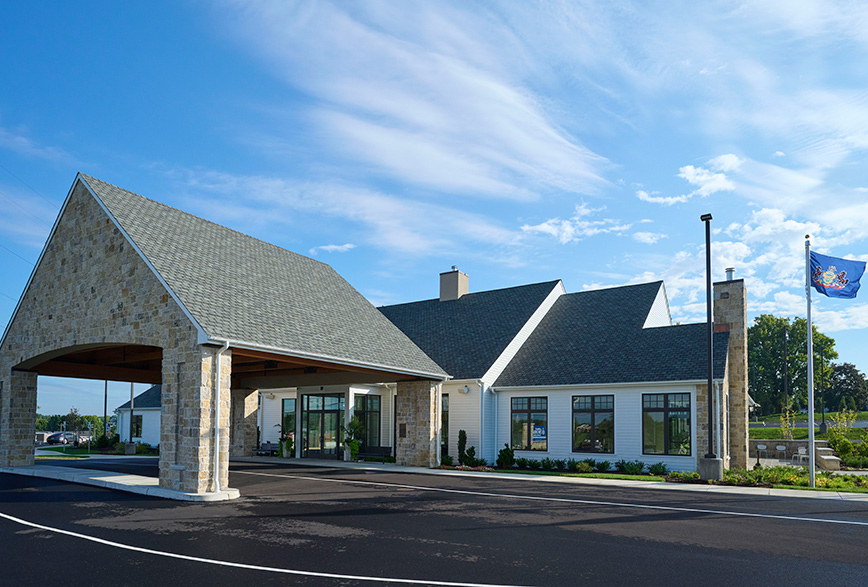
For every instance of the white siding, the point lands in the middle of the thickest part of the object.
(628, 424)
(463, 414)
(659, 314)
(150, 425)
(272, 412)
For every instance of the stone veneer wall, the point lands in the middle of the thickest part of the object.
(418, 421)
(243, 414)
(730, 313)
(91, 287)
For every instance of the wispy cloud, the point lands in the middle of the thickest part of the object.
(664, 200)
(649, 238)
(332, 248)
(18, 142)
(578, 226)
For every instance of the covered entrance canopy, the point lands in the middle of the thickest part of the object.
(129, 289)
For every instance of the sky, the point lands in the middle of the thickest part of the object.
(519, 141)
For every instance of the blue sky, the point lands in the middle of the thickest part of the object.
(522, 142)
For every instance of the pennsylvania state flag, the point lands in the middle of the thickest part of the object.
(834, 277)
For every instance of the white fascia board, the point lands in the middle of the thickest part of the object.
(589, 386)
(252, 346)
(201, 334)
(39, 260)
(659, 315)
(521, 337)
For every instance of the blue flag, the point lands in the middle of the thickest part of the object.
(835, 277)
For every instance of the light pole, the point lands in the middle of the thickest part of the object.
(706, 218)
(822, 395)
(786, 369)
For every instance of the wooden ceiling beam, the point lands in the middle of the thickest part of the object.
(84, 371)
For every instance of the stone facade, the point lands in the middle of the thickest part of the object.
(91, 288)
(243, 414)
(418, 421)
(730, 314)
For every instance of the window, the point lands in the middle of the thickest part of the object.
(666, 424)
(530, 423)
(444, 425)
(287, 420)
(594, 423)
(367, 410)
(137, 426)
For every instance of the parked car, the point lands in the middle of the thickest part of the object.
(63, 438)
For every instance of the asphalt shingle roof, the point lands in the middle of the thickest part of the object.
(150, 398)
(241, 288)
(465, 336)
(597, 337)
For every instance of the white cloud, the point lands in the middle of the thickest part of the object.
(577, 228)
(666, 201)
(708, 182)
(648, 237)
(19, 143)
(333, 248)
(778, 154)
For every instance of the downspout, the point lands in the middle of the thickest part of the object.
(217, 417)
(717, 386)
(481, 385)
(494, 394)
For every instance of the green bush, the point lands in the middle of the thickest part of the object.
(861, 449)
(572, 464)
(522, 463)
(684, 476)
(855, 462)
(533, 464)
(583, 467)
(591, 462)
(506, 457)
(630, 467)
(547, 464)
(658, 468)
(841, 445)
(602, 466)
(561, 464)
(446, 460)
(462, 445)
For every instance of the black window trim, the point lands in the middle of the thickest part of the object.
(593, 411)
(665, 410)
(528, 440)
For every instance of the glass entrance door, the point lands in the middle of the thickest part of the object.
(323, 426)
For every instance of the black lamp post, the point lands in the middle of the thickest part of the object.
(707, 219)
(786, 369)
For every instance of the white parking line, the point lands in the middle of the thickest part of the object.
(210, 561)
(563, 499)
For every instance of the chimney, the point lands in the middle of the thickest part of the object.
(453, 284)
(730, 315)
(730, 272)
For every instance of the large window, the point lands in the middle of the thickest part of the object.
(594, 423)
(530, 423)
(367, 410)
(666, 424)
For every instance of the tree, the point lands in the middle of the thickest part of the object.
(74, 420)
(846, 388)
(766, 352)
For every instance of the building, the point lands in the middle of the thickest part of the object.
(146, 417)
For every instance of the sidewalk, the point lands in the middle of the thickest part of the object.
(144, 485)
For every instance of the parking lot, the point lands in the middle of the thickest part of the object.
(302, 524)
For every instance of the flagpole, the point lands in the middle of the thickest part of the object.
(811, 449)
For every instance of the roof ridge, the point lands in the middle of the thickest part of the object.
(476, 293)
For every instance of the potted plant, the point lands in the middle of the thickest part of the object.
(287, 444)
(353, 433)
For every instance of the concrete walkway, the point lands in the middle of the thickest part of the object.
(150, 486)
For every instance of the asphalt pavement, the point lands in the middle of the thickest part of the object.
(301, 524)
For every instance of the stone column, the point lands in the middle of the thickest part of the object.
(243, 416)
(17, 418)
(730, 315)
(418, 425)
(187, 427)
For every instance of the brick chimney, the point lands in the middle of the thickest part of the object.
(453, 284)
(730, 315)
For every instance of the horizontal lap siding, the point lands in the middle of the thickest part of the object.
(272, 410)
(463, 415)
(628, 425)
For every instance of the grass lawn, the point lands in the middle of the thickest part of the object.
(68, 450)
(804, 417)
(798, 434)
(585, 475)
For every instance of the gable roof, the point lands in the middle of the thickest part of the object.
(150, 398)
(238, 288)
(596, 337)
(465, 336)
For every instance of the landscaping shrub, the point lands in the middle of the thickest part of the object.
(658, 468)
(630, 467)
(602, 466)
(470, 458)
(685, 476)
(462, 445)
(572, 464)
(583, 467)
(591, 462)
(506, 457)
(547, 464)
(522, 463)
(446, 460)
(855, 462)
(561, 464)
(533, 464)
